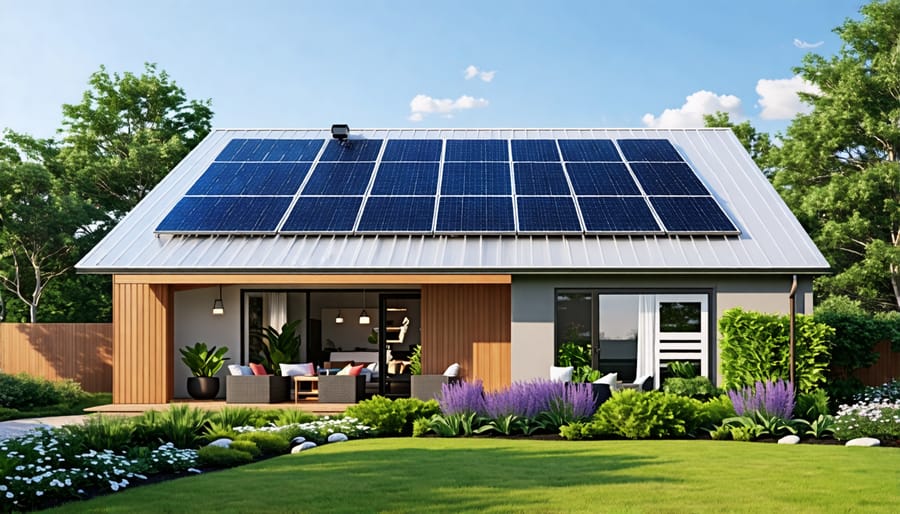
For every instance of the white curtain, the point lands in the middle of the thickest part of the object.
(646, 335)
(276, 307)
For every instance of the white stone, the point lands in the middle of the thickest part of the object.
(223, 442)
(304, 446)
(789, 439)
(337, 438)
(863, 441)
(297, 440)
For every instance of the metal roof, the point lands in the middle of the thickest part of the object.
(771, 238)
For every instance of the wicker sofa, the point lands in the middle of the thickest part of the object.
(341, 388)
(257, 389)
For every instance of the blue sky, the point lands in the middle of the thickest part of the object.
(404, 63)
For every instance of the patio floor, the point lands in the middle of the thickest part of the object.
(313, 407)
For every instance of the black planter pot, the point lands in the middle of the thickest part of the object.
(203, 388)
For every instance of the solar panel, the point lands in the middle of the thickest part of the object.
(696, 214)
(540, 179)
(411, 178)
(668, 178)
(476, 150)
(588, 150)
(397, 214)
(648, 150)
(231, 149)
(547, 214)
(339, 178)
(617, 214)
(294, 150)
(601, 178)
(413, 150)
(475, 214)
(210, 214)
(476, 178)
(352, 150)
(233, 178)
(535, 150)
(323, 213)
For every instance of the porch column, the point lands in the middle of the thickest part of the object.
(143, 342)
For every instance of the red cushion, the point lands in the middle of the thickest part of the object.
(354, 371)
(258, 369)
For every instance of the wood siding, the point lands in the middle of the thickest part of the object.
(458, 318)
(887, 367)
(313, 280)
(78, 351)
(143, 348)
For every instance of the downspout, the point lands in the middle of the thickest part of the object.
(792, 302)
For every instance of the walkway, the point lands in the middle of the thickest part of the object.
(18, 427)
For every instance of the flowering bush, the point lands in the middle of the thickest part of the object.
(317, 430)
(879, 419)
(889, 391)
(771, 399)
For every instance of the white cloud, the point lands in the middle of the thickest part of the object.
(799, 43)
(422, 105)
(471, 72)
(778, 97)
(695, 106)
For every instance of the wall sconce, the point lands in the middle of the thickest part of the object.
(218, 305)
(339, 319)
(364, 316)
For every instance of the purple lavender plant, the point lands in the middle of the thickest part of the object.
(768, 398)
(530, 399)
(462, 397)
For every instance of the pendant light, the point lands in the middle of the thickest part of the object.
(218, 305)
(364, 316)
(339, 319)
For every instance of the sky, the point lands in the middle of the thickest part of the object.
(387, 64)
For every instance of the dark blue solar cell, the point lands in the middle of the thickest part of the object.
(648, 150)
(406, 178)
(547, 214)
(535, 150)
(622, 215)
(323, 214)
(248, 151)
(601, 178)
(416, 150)
(339, 178)
(475, 214)
(697, 214)
(589, 150)
(206, 214)
(668, 178)
(540, 179)
(231, 149)
(352, 150)
(294, 150)
(397, 214)
(235, 178)
(476, 150)
(476, 178)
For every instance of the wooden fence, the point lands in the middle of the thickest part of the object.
(887, 367)
(78, 351)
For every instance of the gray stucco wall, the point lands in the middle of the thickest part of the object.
(534, 305)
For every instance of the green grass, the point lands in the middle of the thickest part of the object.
(500, 475)
(89, 400)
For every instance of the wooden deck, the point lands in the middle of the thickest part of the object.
(130, 409)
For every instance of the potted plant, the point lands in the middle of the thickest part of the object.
(204, 363)
(280, 347)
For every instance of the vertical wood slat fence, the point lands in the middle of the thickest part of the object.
(55, 351)
(887, 367)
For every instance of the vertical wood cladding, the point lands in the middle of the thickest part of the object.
(143, 348)
(456, 319)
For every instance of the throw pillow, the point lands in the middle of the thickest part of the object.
(561, 374)
(345, 370)
(609, 379)
(366, 372)
(246, 370)
(452, 370)
(235, 369)
(354, 370)
(290, 370)
(258, 369)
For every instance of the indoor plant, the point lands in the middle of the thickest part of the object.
(280, 347)
(204, 363)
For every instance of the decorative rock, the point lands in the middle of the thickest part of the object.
(789, 439)
(303, 447)
(297, 440)
(223, 442)
(863, 441)
(337, 438)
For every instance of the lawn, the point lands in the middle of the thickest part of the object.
(63, 409)
(503, 475)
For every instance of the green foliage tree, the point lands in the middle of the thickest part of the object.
(758, 144)
(839, 166)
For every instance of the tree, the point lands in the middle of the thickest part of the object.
(758, 144)
(127, 133)
(839, 166)
(40, 219)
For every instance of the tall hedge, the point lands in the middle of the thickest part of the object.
(756, 346)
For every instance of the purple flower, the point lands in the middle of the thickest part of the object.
(522, 399)
(768, 398)
(462, 397)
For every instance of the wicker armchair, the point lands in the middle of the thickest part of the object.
(257, 389)
(341, 388)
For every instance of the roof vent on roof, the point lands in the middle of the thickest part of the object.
(340, 131)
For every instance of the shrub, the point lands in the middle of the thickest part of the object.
(767, 398)
(716, 410)
(269, 443)
(180, 425)
(653, 414)
(812, 405)
(290, 416)
(682, 369)
(24, 392)
(218, 457)
(234, 416)
(876, 419)
(392, 417)
(245, 445)
(697, 387)
(316, 431)
(889, 391)
(755, 347)
(100, 433)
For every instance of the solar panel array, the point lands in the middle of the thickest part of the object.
(452, 186)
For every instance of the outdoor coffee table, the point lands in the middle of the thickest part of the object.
(306, 387)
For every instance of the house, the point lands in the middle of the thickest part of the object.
(492, 248)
